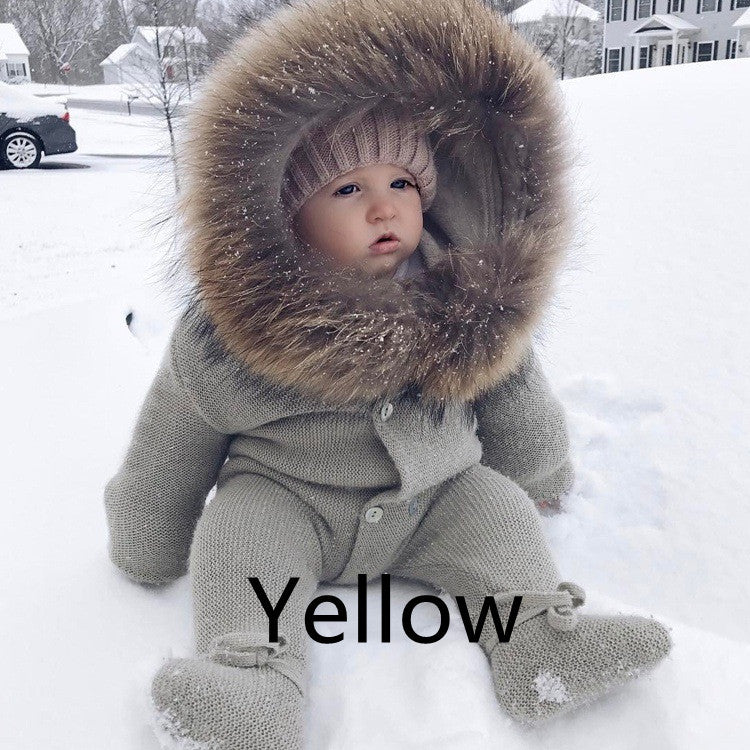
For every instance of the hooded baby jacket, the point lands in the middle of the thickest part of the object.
(362, 426)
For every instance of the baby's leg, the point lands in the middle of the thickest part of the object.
(242, 689)
(481, 536)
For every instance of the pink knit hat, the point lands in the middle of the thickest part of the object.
(381, 135)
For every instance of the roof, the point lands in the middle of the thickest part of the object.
(170, 34)
(536, 10)
(119, 54)
(675, 23)
(10, 42)
(743, 22)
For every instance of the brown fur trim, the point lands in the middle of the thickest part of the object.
(493, 237)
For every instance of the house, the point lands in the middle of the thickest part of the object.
(14, 57)
(182, 50)
(565, 30)
(647, 33)
(537, 10)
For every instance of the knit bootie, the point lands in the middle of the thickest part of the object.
(556, 663)
(238, 696)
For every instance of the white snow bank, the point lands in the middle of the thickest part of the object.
(16, 102)
(647, 348)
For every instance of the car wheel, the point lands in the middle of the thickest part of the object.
(21, 151)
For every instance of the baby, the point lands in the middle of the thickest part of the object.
(340, 219)
(354, 373)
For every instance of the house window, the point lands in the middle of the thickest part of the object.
(643, 58)
(615, 10)
(705, 51)
(169, 50)
(731, 49)
(742, 4)
(16, 69)
(677, 6)
(644, 8)
(707, 6)
(614, 61)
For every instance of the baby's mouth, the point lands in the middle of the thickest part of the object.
(385, 237)
(384, 247)
(388, 242)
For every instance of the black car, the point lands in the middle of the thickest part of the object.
(30, 126)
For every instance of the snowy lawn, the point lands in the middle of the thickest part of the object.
(114, 94)
(647, 346)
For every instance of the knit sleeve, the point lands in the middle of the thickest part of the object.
(522, 427)
(153, 502)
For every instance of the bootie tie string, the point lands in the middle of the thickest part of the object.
(253, 649)
(560, 605)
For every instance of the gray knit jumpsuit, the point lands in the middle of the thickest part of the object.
(250, 393)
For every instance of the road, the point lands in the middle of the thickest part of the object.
(110, 105)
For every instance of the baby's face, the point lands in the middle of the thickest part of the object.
(344, 219)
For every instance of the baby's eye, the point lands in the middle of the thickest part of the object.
(345, 187)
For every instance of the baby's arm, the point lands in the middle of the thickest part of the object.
(154, 501)
(524, 434)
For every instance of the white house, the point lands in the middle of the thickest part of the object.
(564, 29)
(647, 33)
(14, 57)
(183, 54)
(537, 10)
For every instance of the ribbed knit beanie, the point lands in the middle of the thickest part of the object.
(381, 135)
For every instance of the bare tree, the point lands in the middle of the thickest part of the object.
(185, 18)
(154, 78)
(222, 21)
(567, 39)
(61, 30)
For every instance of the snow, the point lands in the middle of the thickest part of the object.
(17, 102)
(113, 96)
(105, 92)
(171, 34)
(743, 21)
(666, 19)
(119, 54)
(10, 41)
(647, 346)
(550, 688)
(536, 10)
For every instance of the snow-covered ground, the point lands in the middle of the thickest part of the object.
(112, 96)
(647, 346)
(113, 92)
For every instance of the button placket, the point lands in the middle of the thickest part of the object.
(385, 411)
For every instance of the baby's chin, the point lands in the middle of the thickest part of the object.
(384, 266)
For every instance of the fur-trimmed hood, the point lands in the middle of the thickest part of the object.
(493, 238)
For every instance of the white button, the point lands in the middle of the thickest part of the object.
(374, 514)
(386, 410)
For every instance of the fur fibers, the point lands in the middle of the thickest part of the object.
(498, 228)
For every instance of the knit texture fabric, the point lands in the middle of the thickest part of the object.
(362, 426)
(381, 135)
(482, 537)
(542, 672)
(202, 705)
(523, 408)
(324, 495)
